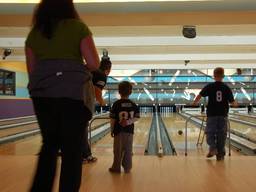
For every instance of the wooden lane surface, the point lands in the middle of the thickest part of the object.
(100, 121)
(34, 126)
(241, 128)
(174, 123)
(105, 145)
(149, 174)
(141, 132)
(18, 129)
(244, 118)
(244, 129)
(8, 122)
(29, 127)
(28, 146)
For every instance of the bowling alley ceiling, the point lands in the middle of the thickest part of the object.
(25, 6)
(149, 34)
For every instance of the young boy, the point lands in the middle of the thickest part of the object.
(219, 96)
(123, 114)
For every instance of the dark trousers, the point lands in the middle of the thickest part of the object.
(216, 133)
(86, 149)
(123, 151)
(62, 122)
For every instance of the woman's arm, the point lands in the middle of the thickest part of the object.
(112, 125)
(30, 59)
(89, 53)
(234, 103)
(197, 99)
(98, 95)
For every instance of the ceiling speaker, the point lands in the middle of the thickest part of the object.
(189, 31)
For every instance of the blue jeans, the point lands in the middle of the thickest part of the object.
(216, 133)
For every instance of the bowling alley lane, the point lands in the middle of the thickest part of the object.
(17, 120)
(141, 130)
(246, 130)
(18, 129)
(175, 123)
(30, 145)
(25, 124)
(244, 117)
(241, 128)
(99, 122)
(27, 146)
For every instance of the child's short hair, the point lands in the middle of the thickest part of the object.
(218, 72)
(125, 88)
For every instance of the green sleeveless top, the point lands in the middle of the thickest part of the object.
(64, 44)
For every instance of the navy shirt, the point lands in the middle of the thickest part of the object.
(219, 96)
(124, 109)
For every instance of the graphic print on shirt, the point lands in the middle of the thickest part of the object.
(125, 115)
(218, 96)
(124, 110)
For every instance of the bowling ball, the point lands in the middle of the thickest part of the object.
(180, 132)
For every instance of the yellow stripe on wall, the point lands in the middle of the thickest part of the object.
(14, 97)
(14, 66)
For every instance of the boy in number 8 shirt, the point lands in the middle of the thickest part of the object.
(219, 96)
(123, 114)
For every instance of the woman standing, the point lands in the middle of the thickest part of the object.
(56, 48)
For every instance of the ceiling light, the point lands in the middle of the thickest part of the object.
(246, 94)
(149, 94)
(138, 98)
(132, 80)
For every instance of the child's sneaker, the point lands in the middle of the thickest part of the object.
(220, 157)
(127, 171)
(211, 153)
(114, 170)
(90, 159)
